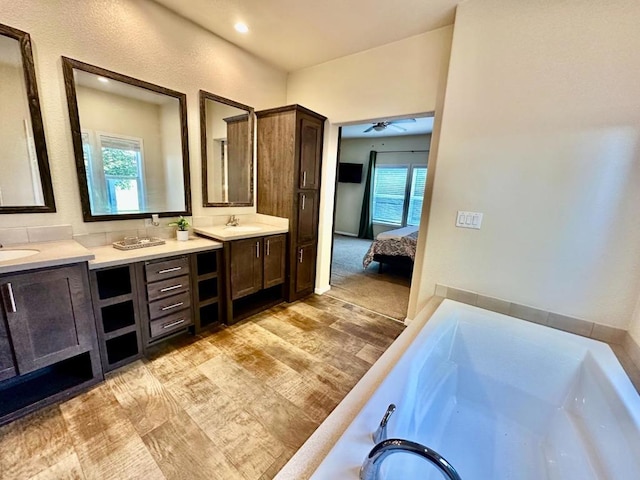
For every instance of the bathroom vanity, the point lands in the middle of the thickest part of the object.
(48, 343)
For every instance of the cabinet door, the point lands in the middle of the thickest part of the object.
(7, 366)
(274, 260)
(305, 268)
(310, 153)
(307, 216)
(49, 316)
(246, 267)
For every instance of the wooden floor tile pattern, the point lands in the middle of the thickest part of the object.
(235, 403)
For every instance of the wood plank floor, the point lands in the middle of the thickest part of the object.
(231, 404)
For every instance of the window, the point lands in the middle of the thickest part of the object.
(397, 194)
(114, 172)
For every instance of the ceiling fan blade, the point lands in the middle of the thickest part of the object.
(368, 129)
(403, 120)
(397, 127)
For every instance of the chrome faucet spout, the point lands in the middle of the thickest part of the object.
(233, 221)
(371, 466)
(381, 433)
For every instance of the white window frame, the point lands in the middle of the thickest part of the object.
(407, 192)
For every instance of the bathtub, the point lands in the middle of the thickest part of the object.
(500, 398)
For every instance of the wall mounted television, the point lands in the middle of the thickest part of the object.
(350, 172)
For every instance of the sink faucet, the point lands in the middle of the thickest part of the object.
(381, 433)
(233, 221)
(371, 466)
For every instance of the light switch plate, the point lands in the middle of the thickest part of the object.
(469, 220)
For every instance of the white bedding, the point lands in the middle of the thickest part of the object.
(397, 233)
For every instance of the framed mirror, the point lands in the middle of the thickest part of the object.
(25, 182)
(130, 144)
(226, 130)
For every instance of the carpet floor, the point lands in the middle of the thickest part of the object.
(386, 293)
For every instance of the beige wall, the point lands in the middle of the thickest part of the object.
(140, 39)
(541, 133)
(356, 150)
(399, 79)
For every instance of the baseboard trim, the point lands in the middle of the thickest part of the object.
(346, 234)
(322, 290)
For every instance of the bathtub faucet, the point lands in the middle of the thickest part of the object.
(381, 433)
(371, 466)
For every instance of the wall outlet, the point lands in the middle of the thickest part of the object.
(469, 220)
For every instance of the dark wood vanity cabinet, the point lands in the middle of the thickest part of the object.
(165, 305)
(48, 315)
(48, 344)
(289, 171)
(256, 272)
(246, 267)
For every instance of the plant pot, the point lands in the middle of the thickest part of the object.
(183, 235)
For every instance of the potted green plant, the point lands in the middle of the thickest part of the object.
(183, 228)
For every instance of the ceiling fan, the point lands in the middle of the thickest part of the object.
(380, 126)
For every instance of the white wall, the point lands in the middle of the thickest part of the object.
(356, 150)
(143, 40)
(399, 79)
(541, 133)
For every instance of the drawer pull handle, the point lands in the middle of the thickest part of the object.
(301, 255)
(175, 305)
(304, 179)
(267, 248)
(304, 197)
(257, 249)
(173, 324)
(12, 300)
(167, 289)
(167, 270)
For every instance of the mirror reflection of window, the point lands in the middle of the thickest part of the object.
(133, 144)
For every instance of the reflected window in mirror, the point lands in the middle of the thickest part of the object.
(130, 142)
(25, 183)
(227, 129)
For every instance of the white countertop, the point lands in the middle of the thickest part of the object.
(50, 254)
(107, 256)
(224, 233)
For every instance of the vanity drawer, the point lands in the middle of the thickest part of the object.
(169, 305)
(171, 323)
(166, 269)
(168, 287)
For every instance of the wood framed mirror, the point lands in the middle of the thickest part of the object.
(226, 131)
(25, 183)
(130, 142)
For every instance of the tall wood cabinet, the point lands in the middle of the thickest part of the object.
(289, 165)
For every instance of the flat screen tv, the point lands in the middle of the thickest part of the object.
(350, 172)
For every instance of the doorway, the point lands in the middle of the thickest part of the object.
(381, 175)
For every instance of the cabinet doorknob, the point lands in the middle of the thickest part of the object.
(12, 301)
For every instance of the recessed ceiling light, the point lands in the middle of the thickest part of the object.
(241, 27)
(103, 80)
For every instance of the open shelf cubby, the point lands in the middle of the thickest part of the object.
(209, 315)
(117, 316)
(207, 289)
(34, 387)
(122, 347)
(246, 306)
(207, 262)
(113, 282)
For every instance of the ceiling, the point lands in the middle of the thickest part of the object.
(294, 34)
(421, 126)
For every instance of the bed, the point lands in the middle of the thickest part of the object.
(393, 247)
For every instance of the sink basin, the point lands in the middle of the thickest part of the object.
(243, 229)
(6, 255)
